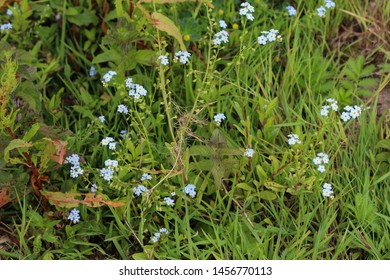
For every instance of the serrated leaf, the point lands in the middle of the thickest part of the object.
(267, 195)
(85, 18)
(71, 200)
(163, 23)
(367, 71)
(368, 82)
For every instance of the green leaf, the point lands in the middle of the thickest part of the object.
(244, 186)
(274, 186)
(14, 144)
(199, 150)
(145, 57)
(384, 144)
(140, 256)
(85, 18)
(267, 195)
(49, 237)
(368, 82)
(367, 71)
(31, 133)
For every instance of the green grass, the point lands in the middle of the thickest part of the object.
(266, 207)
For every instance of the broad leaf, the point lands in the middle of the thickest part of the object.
(70, 200)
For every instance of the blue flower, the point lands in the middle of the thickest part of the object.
(291, 11)
(6, 26)
(146, 176)
(138, 190)
(221, 36)
(218, 118)
(182, 56)
(123, 109)
(329, 4)
(169, 201)
(190, 190)
(321, 11)
(136, 91)
(92, 71)
(74, 216)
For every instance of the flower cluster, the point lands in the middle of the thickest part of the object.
(75, 169)
(268, 36)
(163, 60)
(108, 77)
(157, 235)
(291, 10)
(293, 139)
(182, 56)
(325, 108)
(249, 152)
(135, 90)
(218, 118)
(146, 176)
(221, 36)
(108, 171)
(74, 216)
(190, 190)
(327, 190)
(6, 26)
(138, 190)
(247, 10)
(321, 11)
(122, 109)
(109, 141)
(320, 160)
(351, 112)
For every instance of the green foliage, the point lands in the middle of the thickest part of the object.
(268, 206)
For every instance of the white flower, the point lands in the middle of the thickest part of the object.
(163, 60)
(317, 160)
(345, 116)
(102, 119)
(321, 168)
(218, 118)
(123, 109)
(249, 152)
(324, 111)
(112, 146)
(327, 186)
(262, 40)
(327, 192)
(334, 106)
(222, 24)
